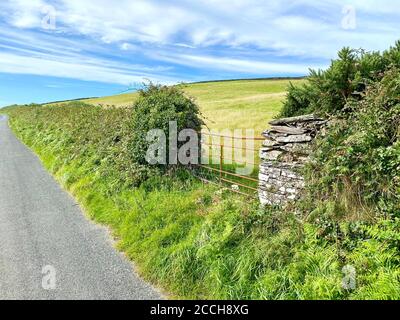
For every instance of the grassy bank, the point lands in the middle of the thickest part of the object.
(197, 241)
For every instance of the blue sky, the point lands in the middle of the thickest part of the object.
(64, 49)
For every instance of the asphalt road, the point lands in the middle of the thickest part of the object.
(48, 249)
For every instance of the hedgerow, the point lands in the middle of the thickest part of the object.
(358, 163)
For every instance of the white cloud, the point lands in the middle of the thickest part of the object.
(209, 22)
(90, 71)
(184, 45)
(283, 26)
(239, 65)
(232, 35)
(125, 46)
(42, 54)
(140, 20)
(22, 13)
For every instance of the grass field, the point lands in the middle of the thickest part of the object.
(241, 104)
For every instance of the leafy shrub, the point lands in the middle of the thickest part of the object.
(155, 108)
(360, 157)
(328, 92)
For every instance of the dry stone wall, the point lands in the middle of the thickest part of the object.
(284, 153)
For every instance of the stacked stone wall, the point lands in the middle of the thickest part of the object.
(285, 151)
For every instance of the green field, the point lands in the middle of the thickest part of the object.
(241, 104)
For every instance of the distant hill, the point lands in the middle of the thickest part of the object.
(232, 104)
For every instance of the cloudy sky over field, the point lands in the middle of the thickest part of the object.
(62, 49)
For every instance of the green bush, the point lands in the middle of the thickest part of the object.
(328, 92)
(155, 108)
(360, 157)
